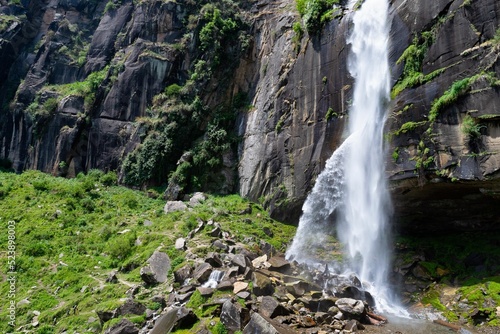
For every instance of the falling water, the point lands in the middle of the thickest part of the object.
(352, 191)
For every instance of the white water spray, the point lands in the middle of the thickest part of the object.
(353, 184)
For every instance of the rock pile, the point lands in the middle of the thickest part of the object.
(250, 291)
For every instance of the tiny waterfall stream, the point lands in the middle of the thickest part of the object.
(351, 192)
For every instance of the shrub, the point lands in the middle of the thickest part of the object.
(173, 90)
(470, 127)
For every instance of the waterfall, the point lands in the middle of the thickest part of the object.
(214, 279)
(351, 193)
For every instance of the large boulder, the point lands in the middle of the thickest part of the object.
(157, 268)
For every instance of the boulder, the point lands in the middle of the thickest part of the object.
(165, 322)
(242, 262)
(233, 316)
(131, 307)
(271, 308)
(185, 318)
(213, 259)
(239, 286)
(183, 273)
(180, 244)
(157, 269)
(263, 325)
(279, 264)
(173, 206)
(352, 307)
(112, 277)
(125, 326)
(197, 199)
(262, 285)
(202, 272)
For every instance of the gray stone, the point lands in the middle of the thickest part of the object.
(131, 307)
(271, 308)
(157, 268)
(197, 199)
(180, 244)
(125, 326)
(165, 322)
(183, 273)
(351, 306)
(173, 206)
(262, 285)
(202, 272)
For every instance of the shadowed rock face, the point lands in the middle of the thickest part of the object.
(299, 90)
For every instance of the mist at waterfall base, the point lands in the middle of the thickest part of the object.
(351, 193)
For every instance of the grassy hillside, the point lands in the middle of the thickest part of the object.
(71, 233)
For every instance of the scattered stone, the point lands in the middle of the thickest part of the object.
(202, 273)
(214, 260)
(279, 264)
(239, 286)
(351, 306)
(183, 273)
(225, 285)
(259, 324)
(271, 308)
(165, 322)
(180, 244)
(244, 295)
(233, 316)
(221, 245)
(262, 285)
(241, 261)
(216, 232)
(197, 199)
(148, 223)
(112, 277)
(185, 318)
(205, 292)
(131, 307)
(267, 248)
(173, 206)
(157, 268)
(259, 261)
(267, 231)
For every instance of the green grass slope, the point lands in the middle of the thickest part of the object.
(71, 233)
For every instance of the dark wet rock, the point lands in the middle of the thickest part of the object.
(355, 293)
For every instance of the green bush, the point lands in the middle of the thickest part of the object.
(315, 13)
(470, 127)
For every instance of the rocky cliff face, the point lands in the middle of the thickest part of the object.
(155, 89)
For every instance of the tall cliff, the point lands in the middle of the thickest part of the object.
(252, 97)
